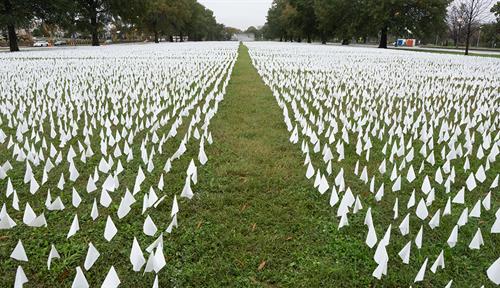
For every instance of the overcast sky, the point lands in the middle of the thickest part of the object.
(239, 13)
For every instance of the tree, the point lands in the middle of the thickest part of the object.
(275, 26)
(491, 31)
(344, 19)
(195, 27)
(496, 10)
(16, 14)
(155, 18)
(348, 19)
(455, 21)
(325, 14)
(202, 25)
(284, 21)
(13, 13)
(490, 34)
(228, 33)
(305, 18)
(91, 15)
(474, 13)
(416, 17)
(254, 31)
(289, 19)
(181, 18)
(180, 15)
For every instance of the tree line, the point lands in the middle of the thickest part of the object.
(309, 20)
(155, 18)
(287, 20)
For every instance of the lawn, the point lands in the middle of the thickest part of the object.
(255, 220)
(371, 108)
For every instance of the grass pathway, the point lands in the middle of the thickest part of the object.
(258, 222)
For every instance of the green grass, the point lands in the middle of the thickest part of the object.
(252, 206)
(466, 267)
(256, 205)
(437, 51)
(255, 177)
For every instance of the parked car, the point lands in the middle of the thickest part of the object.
(41, 44)
(60, 43)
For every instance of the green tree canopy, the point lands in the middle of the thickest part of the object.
(346, 19)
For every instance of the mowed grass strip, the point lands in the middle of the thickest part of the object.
(257, 220)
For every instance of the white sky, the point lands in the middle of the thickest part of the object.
(239, 13)
(487, 16)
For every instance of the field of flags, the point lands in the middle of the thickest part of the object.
(408, 141)
(89, 137)
(100, 150)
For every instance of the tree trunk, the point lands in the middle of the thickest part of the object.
(171, 38)
(10, 27)
(323, 39)
(181, 37)
(467, 39)
(94, 26)
(345, 41)
(383, 37)
(12, 38)
(309, 40)
(156, 37)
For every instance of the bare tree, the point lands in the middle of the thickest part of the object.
(455, 20)
(475, 12)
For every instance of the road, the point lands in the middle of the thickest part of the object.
(486, 52)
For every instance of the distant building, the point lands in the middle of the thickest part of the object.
(246, 37)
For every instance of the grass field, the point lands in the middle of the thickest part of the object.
(255, 220)
(492, 55)
(257, 223)
(309, 78)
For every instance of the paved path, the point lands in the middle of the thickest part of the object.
(473, 51)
